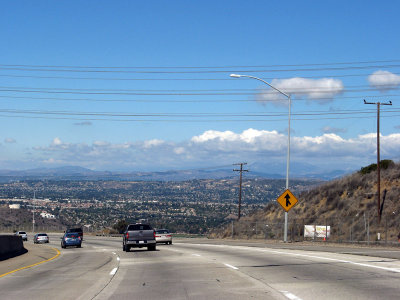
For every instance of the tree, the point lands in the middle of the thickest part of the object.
(120, 226)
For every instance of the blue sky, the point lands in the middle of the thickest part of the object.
(144, 85)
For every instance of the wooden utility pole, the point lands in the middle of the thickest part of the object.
(378, 107)
(240, 184)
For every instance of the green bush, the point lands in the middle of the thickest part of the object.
(384, 164)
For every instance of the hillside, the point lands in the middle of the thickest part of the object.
(348, 205)
(21, 219)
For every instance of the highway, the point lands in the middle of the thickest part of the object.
(201, 269)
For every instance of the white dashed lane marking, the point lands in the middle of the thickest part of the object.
(112, 273)
(232, 267)
(290, 295)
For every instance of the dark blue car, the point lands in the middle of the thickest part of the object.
(71, 239)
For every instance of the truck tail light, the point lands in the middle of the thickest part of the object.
(127, 235)
(154, 234)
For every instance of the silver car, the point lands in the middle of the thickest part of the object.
(163, 236)
(41, 238)
(22, 234)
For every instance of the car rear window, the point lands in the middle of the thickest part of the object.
(139, 227)
(74, 230)
(162, 231)
(42, 234)
(22, 232)
(71, 235)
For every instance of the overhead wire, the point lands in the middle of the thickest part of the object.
(192, 114)
(210, 71)
(334, 66)
(179, 90)
(155, 93)
(179, 79)
(201, 67)
(198, 101)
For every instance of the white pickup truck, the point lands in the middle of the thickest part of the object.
(138, 236)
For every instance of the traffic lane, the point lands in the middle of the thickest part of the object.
(79, 273)
(101, 241)
(371, 250)
(311, 275)
(169, 274)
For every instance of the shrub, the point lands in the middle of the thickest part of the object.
(384, 164)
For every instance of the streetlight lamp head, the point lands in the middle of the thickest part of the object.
(235, 75)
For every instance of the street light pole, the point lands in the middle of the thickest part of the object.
(288, 143)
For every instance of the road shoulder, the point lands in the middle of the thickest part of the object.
(36, 254)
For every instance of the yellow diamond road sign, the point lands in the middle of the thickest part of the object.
(287, 200)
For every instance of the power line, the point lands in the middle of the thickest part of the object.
(178, 90)
(196, 114)
(33, 69)
(73, 92)
(200, 67)
(198, 101)
(190, 120)
(178, 79)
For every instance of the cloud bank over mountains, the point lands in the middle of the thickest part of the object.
(328, 151)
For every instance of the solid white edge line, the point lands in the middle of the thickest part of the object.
(230, 266)
(395, 270)
(113, 271)
(290, 295)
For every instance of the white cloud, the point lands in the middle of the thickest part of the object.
(222, 148)
(248, 136)
(51, 161)
(323, 89)
(384, 80)
(214, 135)
(57, 142)
(9, 141)
(101, 143)
(328, 129)
(152, 143)
(179, 150)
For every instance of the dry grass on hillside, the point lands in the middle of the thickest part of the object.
(343, 202)
(21, 219)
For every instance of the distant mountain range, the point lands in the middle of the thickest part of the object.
(79, 173)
